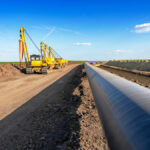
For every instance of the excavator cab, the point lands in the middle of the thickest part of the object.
(35, 61)
(35, 57)
(36, 65)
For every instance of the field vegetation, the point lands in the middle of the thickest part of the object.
(11, 62)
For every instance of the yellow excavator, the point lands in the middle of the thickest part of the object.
(59, 62)
(33, 62)
(47, 57)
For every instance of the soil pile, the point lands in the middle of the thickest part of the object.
(20, 66)
(8, 70)
(91, 135)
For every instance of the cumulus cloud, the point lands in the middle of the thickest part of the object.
(142, 28)
(83, 44)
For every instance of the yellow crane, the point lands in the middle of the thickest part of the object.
(59, 62)
(47, 58)
(56, 63)
(33, 62)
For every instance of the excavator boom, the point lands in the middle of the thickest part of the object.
(23, 45)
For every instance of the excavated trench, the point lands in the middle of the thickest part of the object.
(129, 75)
(62, 116)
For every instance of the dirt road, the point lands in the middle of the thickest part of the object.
(40, 114)
(17, 90)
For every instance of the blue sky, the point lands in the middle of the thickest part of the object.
(78, 29)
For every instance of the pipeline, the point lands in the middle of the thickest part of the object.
(124, 109)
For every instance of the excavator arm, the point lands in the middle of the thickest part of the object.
(48, 54)
(23, 46)
(43, 51)
(51, 52)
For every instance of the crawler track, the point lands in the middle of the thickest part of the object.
(135, 77)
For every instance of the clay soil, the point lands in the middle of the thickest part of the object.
(8, 70)
(139, 79)
(49, 112)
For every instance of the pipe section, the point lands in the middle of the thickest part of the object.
(124, 109)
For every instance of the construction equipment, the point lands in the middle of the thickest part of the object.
(33, 62)
(50, 59)
(47, 58)
(56, 64)
(59, 62)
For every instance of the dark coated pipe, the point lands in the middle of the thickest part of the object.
(124, 109)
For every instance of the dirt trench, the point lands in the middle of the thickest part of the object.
(137, 78)
(61, 117)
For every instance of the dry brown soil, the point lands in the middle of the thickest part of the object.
(49, 112)
(139, 79)
(143, 66)
(8, 70)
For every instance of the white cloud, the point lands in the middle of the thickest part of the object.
(142, 28)
(121, 51)
(83, 44)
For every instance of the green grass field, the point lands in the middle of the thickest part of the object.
(9, 62)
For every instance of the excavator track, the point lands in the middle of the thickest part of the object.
(44, 70)
(28, 70)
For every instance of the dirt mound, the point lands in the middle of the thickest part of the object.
(20, 66)
(8, 70)
(135, 77)
(142, 66)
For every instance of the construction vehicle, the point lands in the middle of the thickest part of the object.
(59, 62)
(50, 61)
(56, 62)
(33, 62)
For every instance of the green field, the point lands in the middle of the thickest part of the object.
(10, 62)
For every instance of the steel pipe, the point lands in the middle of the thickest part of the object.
(124, 109)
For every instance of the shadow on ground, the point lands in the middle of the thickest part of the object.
(48, 120)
